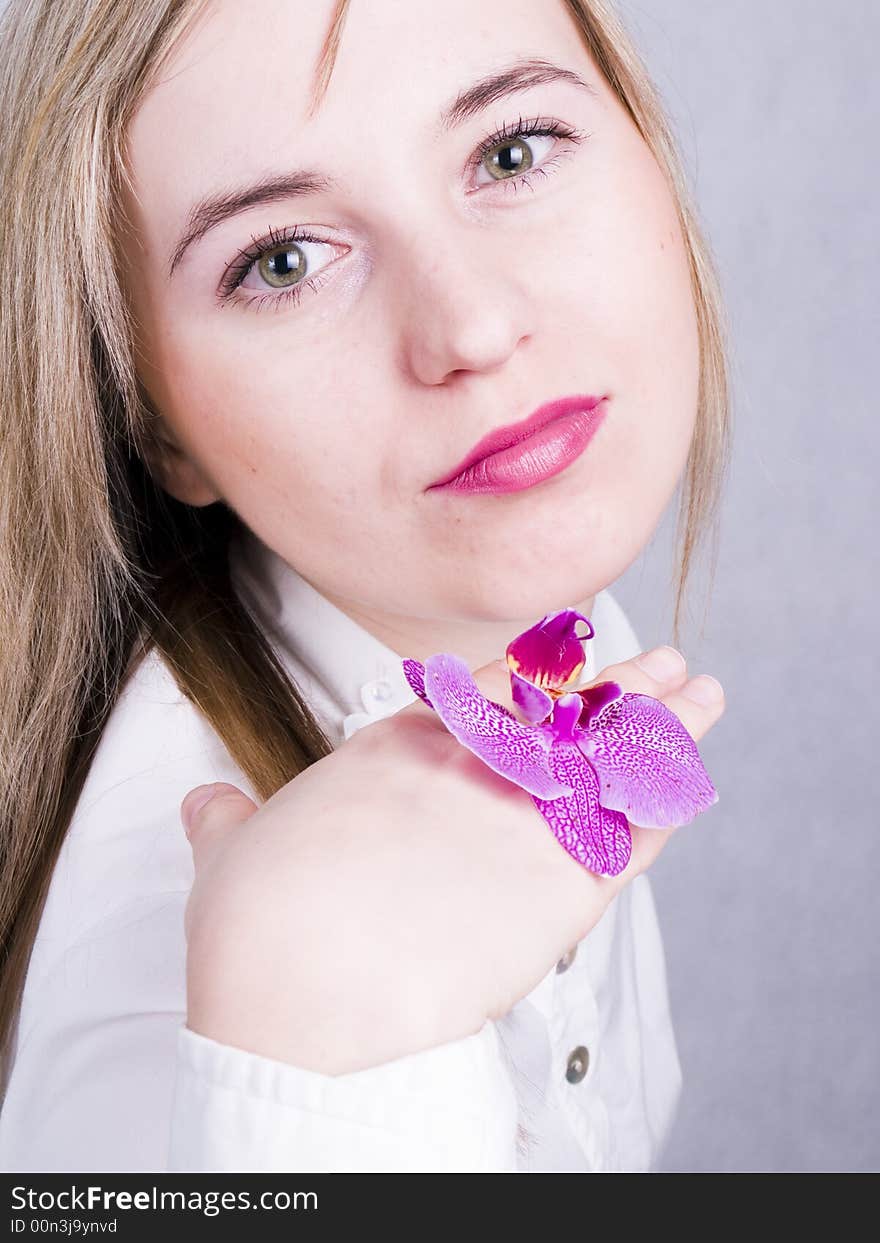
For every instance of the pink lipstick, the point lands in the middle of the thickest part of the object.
(522, 454)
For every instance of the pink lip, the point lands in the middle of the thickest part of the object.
(522, 454)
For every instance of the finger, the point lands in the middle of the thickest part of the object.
(210, 812)
(698, 704)
(494, 682)
(650, 673)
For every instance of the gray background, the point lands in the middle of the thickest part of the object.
(767, 902)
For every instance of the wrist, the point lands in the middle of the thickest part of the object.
(335, 1001)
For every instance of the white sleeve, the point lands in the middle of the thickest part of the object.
(451, 1108)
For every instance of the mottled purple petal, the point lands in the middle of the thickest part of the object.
(550, 654)
(597, 837)
(535, 704)
(596, 699)
(648, 765)
(414, 672)
(515, 751)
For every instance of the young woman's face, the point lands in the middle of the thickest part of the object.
(440, 295)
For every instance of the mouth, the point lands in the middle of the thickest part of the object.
(521, 454)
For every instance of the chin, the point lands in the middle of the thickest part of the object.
(553, 573)
(518, 598)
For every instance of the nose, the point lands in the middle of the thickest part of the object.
(464, 306)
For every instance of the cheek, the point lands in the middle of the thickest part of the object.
(637, 333)
(266, 430)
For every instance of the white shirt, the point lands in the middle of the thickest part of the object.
(107, 1077)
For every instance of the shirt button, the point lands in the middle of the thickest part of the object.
(578, 1062)
(380, 691)
(566, 960)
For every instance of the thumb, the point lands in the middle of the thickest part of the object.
(494, 682)
(208, 812)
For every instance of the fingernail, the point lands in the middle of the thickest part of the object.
(704, 690)
(662, 662)
(194, 802)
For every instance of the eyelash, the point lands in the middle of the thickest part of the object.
(251, 255)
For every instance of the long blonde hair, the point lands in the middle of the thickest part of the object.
(97, 563)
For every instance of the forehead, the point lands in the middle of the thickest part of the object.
(234, 97)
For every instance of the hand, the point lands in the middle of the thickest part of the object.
(393, 896)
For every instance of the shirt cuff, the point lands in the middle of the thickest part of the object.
(451, 1108)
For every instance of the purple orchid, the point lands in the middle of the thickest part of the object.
(593, 760)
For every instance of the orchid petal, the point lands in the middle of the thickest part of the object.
(648, 765)
(535, 704)
(414, 672)
(596, 698)
(597, 837)
(515, 751)
(550, 654)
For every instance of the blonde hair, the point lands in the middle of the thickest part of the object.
(98, 564)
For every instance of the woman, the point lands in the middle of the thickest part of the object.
(276, 335)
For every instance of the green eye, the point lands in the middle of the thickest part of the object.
(509, 154)
(282, 267)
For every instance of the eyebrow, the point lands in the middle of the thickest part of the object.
(301, 183)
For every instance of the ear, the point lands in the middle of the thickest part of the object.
(175, 471)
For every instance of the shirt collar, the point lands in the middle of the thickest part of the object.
(347, 676)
